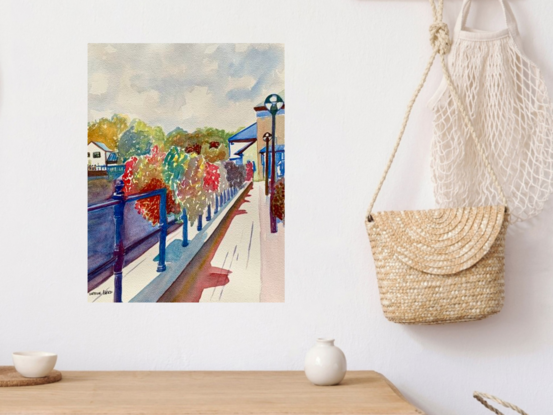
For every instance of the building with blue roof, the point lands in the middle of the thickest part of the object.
(100, 155)
(248, 146)
(240, 141)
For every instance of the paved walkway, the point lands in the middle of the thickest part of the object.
(239, 256)
(250, 256)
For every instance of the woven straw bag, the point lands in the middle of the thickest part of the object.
(483, 397)
(443, 265)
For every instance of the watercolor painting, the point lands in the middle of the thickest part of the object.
(186, 173)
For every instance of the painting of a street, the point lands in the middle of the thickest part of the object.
(186, 173)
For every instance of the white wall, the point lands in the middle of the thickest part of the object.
(351, 67)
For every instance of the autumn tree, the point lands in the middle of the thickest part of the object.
(249, 171)
(236, 174)
(191, 193)
(277, 202)
(177, 138)
(108, 130)
(211, 143)
(223, 182)
(145, 174)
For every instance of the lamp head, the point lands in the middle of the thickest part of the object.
(274, 103)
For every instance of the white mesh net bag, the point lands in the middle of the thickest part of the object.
(508, 103)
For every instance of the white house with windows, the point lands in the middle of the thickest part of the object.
(100, 155)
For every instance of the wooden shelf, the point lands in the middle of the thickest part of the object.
(213, 393)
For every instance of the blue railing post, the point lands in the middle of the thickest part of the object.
(163, 232)
(119, 248)
(184, 228)
(208, 216)
(216, 204)
(200, 222)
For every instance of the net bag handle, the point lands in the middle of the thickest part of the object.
(482, 398)
(510, 19)
(441, 45)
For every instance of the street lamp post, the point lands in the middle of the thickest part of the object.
(273, 103)
(267, 137)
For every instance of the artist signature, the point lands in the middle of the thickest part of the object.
(103, 292)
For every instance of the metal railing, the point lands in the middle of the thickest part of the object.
(119, 200)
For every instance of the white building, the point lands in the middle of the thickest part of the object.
(100, 155)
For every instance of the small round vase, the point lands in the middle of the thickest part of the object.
(325, 364)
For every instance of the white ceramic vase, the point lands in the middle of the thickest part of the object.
(325, 364)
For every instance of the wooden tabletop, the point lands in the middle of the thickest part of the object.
(213, 393)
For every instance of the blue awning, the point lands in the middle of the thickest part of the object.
(247, 134)
(112, 157)
(278, 149)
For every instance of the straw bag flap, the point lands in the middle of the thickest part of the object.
(438, 241)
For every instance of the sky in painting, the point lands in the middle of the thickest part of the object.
(183, 85)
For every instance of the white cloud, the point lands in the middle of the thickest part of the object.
(245, 82)
(98, 83)
(199, 104)
(210, 65)
(211, 49)
(241, 47)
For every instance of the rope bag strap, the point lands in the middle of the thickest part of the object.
(481, 397)
(441, 45)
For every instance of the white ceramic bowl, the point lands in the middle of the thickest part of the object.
(34, 364)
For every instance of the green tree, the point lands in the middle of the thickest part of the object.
(174, 167)
(139, 139)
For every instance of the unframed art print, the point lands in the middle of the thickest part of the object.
(186, 172)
